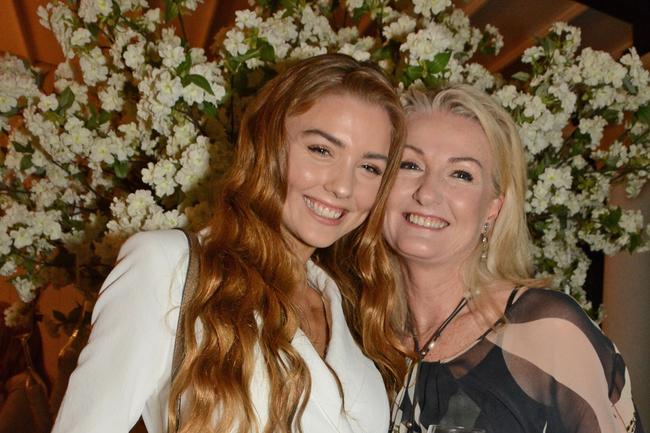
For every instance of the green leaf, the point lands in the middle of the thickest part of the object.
(53, 117)
(171, 10)
(185, 65)
(104, 116)
(208, 109)
(521, 76)
(631, 88)
(547, 44)
(413, 72)
(611, 116)
(93, 29)
(121, 169)
(23, 149)
(439, 62)
(382, 53)
(198, 80)
(65, 99)
(635, 242)
(26, 162)
(359, 12)
(267, 53)
(611, 219)
(431, 81)
(643, 114)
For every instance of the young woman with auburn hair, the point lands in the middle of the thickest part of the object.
(289, 328)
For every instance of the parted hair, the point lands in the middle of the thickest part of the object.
(243, 301)
(509, 242)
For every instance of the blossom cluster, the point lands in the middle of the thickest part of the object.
(563, 104)
(138, 123)
(120, 143)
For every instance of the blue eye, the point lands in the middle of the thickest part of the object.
(409, 165)
(320, 150)
(463, 175)
(373, 169)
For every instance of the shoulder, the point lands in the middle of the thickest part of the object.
(534, 304)
(559, 317)
(149, 271)
(158, 246)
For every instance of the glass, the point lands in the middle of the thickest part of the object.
(435, 428)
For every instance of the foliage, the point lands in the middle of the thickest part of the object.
(139, 124)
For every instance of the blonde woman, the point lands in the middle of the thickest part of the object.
(491, 350)
(273, 332)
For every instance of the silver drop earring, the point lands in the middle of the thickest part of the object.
(484, 242)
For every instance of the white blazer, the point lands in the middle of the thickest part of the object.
(124, 371)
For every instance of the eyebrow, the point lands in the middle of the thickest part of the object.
(315, 131)
(452, 160)
(338, 143)
(466, 159)
(415, 149)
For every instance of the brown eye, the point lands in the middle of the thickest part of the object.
(409, 165)
(373, 169)
(320, 150)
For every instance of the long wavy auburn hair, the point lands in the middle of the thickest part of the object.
(242, 308)
(509, 242)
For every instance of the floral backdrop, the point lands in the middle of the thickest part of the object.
(139, 124)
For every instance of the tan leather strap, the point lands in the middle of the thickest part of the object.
(191, 282)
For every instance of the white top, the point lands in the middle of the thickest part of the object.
(125, 369)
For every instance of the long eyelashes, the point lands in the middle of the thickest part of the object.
(409, 165)
(373, 169)
(323, 151)
(320, 150)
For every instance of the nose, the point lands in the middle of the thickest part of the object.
(428, 190)
(341, 182)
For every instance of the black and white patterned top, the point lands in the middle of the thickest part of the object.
(549, 369)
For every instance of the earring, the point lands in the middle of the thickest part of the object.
(484, 242)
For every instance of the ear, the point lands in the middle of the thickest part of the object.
(494, 207)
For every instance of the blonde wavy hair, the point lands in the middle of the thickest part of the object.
(509, 242)
(243, 302)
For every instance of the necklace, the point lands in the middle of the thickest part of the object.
(431, 342)
(422, 352)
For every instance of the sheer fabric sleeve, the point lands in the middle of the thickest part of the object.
(127, 360)
(560, 358)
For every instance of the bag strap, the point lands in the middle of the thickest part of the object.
(191, 282)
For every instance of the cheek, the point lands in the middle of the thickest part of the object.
(301, 175)
(366, 195)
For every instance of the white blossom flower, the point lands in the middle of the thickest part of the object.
(93, 66)
(398, 29)
(89, 10)
(8, 268)
(80, 37)
(429, 8)
(25, 289)
(17, 315)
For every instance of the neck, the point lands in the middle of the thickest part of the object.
(432, 293)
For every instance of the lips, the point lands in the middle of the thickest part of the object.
(323, 210)
(426, 221)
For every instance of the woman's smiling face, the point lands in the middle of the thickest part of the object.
(443, 193)
(337, 154)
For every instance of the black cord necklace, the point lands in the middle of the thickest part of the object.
(431, 342)
(422, 352)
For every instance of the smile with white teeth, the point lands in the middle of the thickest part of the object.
(323, 211)
(426, 222)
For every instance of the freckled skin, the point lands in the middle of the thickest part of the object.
(337, 155)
